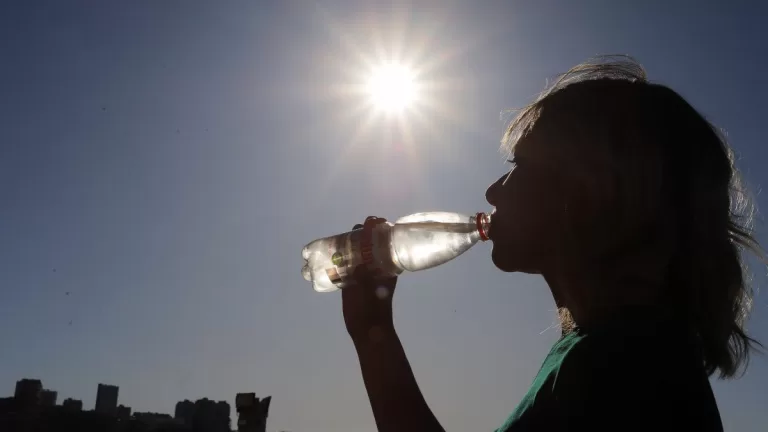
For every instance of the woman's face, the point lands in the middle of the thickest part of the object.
(537, 204)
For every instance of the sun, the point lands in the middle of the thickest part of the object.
(392, 88)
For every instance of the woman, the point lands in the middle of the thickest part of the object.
(627, 202)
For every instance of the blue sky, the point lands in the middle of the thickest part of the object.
(170, 159)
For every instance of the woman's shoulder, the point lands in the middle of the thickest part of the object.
(598, 379)
(655, 364)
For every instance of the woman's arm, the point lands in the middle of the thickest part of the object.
(395, 397)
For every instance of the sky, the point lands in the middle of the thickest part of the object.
(165, 162)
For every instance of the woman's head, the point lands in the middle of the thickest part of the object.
(624, 178)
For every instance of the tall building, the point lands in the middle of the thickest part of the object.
(252, 412)
(72, 404)
(27, 392)
(211, 416)
(106, 399)
(185, 412)
(48, 398)
(203, 415)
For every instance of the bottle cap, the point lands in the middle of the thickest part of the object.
(482, 220)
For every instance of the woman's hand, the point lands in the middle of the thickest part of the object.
(367, 302)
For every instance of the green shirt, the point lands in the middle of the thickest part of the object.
(641, 372)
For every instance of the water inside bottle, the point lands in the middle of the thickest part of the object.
(415, 242)
(423, 245)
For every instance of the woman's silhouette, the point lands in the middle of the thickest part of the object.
(626, 200)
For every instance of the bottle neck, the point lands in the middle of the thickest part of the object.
(483, 223)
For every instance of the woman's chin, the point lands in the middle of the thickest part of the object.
(502, 260)
(509, 261)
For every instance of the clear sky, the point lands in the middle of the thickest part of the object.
(165, 162)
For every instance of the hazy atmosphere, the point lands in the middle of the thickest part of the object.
(163, 163)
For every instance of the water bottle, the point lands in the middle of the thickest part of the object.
(416, 242)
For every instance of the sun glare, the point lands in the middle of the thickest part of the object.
(392, 88)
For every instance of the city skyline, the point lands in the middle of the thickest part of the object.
(30, 398)
(73, 400)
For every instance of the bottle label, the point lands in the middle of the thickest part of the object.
(375, 249)
(368, 246)
(345, 256)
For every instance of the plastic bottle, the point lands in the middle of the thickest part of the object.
(416, 242)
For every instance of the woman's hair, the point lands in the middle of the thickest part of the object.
(676, 170)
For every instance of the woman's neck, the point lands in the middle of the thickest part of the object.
(585, 294)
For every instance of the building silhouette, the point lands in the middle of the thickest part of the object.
(47, 398)
(7, 404)
(27, 393)
(70, 404)
(211, 416)
(123, 412)
(252, 413)
(106, 399)
(33, 408)
(185, 412)
(203, 415)
(153, 420)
